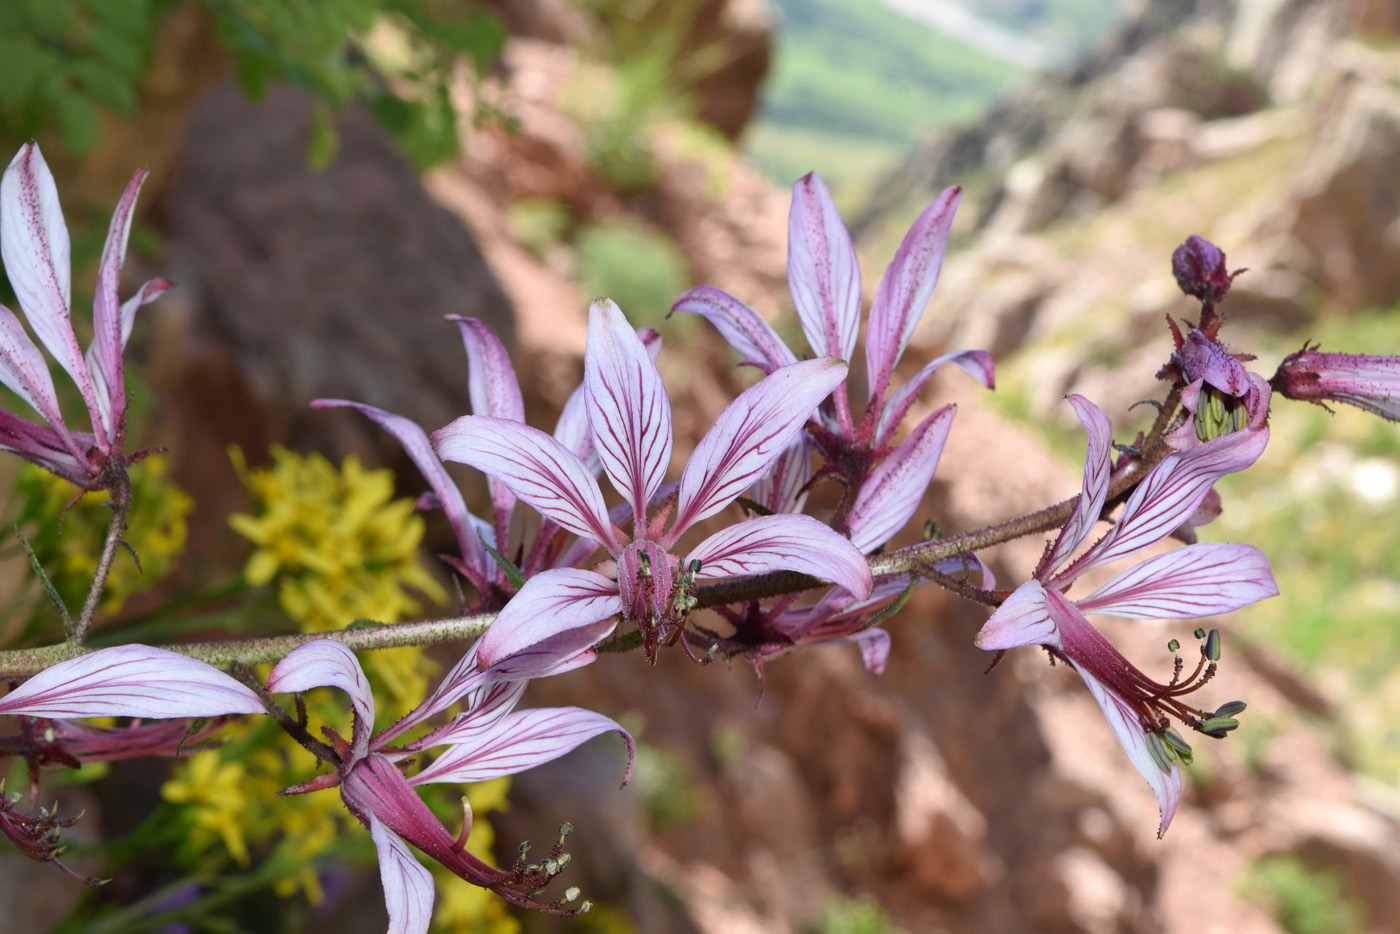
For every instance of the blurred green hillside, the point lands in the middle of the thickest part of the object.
(855, 83)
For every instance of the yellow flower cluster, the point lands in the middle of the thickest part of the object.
(156, 530)
(344, 548)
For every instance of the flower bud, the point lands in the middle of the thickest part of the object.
(1368, 382)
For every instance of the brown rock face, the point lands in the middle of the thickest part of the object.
(298, 285)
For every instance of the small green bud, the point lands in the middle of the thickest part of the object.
(1200, 633)
(1161, 752)
(1232, 709)
(1178, 745)
(524, 849)
(1213, 645)
(1217, 727)
(1174, 646)
(695, 566)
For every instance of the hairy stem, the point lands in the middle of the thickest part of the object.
(119, 488)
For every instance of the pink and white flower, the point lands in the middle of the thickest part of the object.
(1366, 381)
(1195, 580)
(630, 418)
(487, 739)
(494, 391)
(34, 245)
(127, 681)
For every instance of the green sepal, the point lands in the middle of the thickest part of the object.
(513, 573)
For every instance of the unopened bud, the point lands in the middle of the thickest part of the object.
(1200, 633)
(694, 566)
(1161, 752)
(1232, 709)
(1212, 648)
(1178, 745)
(1217, 727)
(1174, 646)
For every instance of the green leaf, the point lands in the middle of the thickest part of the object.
(77, 118)
(103, 85)
(45, 582)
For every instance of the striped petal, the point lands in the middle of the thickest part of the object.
(1169, 496)
(1197, 580)
(783, 543)
(493, 390)
(130, 681)
(905, 289)
(535, 467)
(408, 885)
(1093, 492)
(822, 270)
(104, 359)
(550, 603)
(1126, 726)
(739, 324)
(978, 364)
(328, 663)
(24, 371)
(784, 487)
(891, 494)
(749, 435)
(627, 407)
(521, 741)
(35, 248)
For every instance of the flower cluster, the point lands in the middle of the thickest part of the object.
(555, 585)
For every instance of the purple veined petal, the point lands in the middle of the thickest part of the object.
(1196, 580)
(874, 645)
(1022, 619)
(978, 364)
(420, 450)
(536, 468)
(962, 565)
(130, 681)
(555, 655)
(493, 390)
(408, 885)
(783, 543)
(149, 292)
(905, 289)
(628, 409)
(1098, 464)
(46, 447)
(550, 603)
(491, 383)
(573, 431)
(891, 494)
(328, 663)
(521, 741)
(34, 246)
(104, 358)
(485, 706)
(1168, 496)
(822, 270)
(24, 371)
(749, 435)
(739, 324)
(1202, 358)
(1133, 738)
(784, 487)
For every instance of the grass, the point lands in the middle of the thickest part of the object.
(850, 76)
